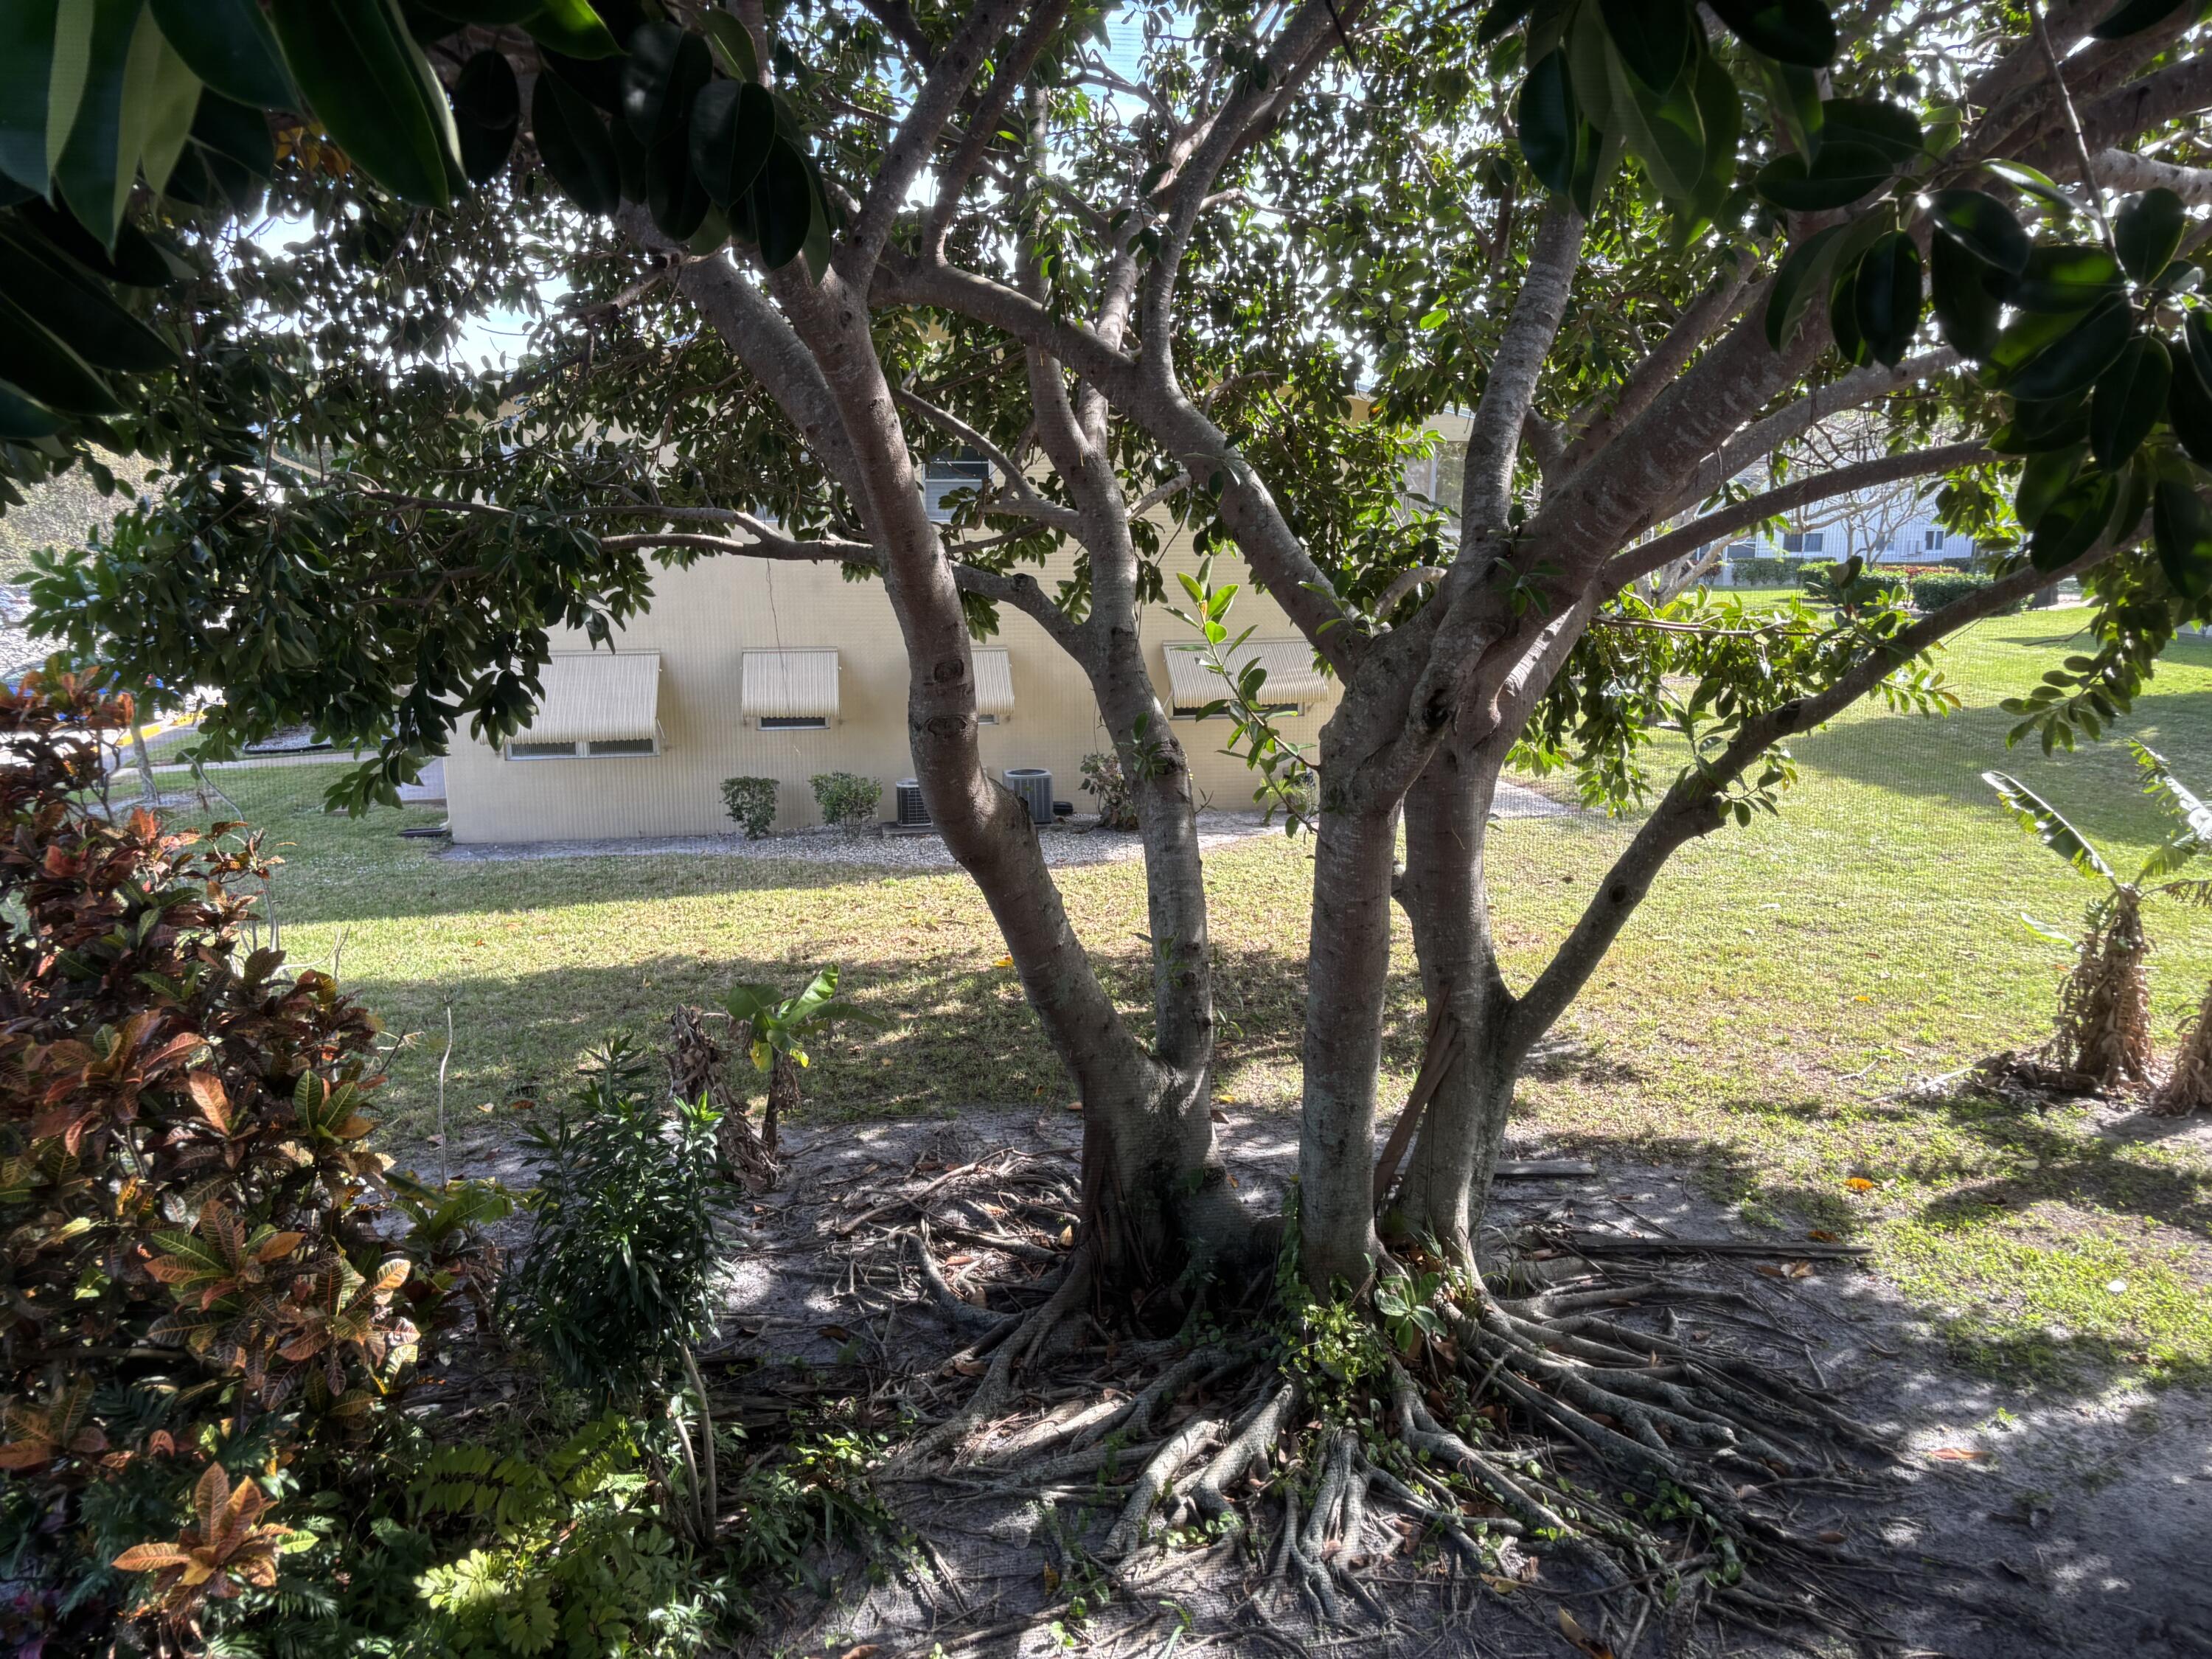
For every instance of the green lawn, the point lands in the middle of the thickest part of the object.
(1780, 983)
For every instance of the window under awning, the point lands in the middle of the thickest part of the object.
(597, 696)
(994, 681)
(789, 685)
(1292, 677)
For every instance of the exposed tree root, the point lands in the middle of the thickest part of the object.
(697, 1068)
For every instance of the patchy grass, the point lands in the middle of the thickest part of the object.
(1756, 1021)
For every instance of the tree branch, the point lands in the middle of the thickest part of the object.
(983, 122)
(1723, 297)
(2125, 171)
(1026, 501)
(1493, 440)
(1632, 563)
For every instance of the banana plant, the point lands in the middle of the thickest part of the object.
(2103, 1018)
(776, 1027)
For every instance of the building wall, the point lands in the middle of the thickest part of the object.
(704, 618)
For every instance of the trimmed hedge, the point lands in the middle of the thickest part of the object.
(1933, 593)
(846, 799)
(751, 802)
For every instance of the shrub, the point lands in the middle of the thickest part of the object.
(1764, 572)
(193, 1228)
(617, 1278)
(1105, 782)
(1933, 591)
(846, 799)
(751, 802)
(1813, 573)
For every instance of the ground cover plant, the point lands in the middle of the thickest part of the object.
(1478, 234)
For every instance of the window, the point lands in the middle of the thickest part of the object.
(1197, 711)
(948, 474)
(793, 723)
(1743, 549)
(987, 720)
(524, 751)
(608, 747)
(600, 749)
(1809, 541)
(1932, 541)
(1439, 476)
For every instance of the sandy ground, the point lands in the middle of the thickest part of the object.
(2058, 1523)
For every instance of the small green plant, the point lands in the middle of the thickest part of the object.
(1106, 782)
(751, 803)
(776, 1027)
(617, 1280)
(1408, 1303)
(847, 799)
(2104, 1006)
(1288, 781)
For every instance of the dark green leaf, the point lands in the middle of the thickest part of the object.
(1887, 300)
(373, 92)
(1984, 227)
(1720, 110)
(735, 42)
(488, 111)
(1793, 98)
(2039, 428)
(2129, 397)
(1841, 175)
(2133, 16)
(2181, 528)
(674, 194)
(1551, 123)
(818, 247)
(630, 160)
(27, 62)
(73, 304)
(2197, 334)
(572, 29)
(2083, 349)
(664, 71)
(2188, 407)
(573, 142)
(2067, 276)
(1502, 16)
(229, 45)
(2148, 232)
(1653, 38)
(1889, 129)
(2069, 526)
(2037, 185)
(733, 125)
(1790, 31)
(100, 163)
(24, 420)
(1843, 312)
(2044, 478)
(229, 159)
(41, 367)
(136, 261)
(598, 79)
(783, 202)
(495, 14)
(1967, 310)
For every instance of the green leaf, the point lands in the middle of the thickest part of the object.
(733, 125)
(72, 304)
(373, 92)
(99, 164)
(572, 29)
(1886, 299)
(24, 420)
(1984, 226)
(1551, 123)
(487, 113)
(75, 21)
(2083, 349)
(1875, 122)
(673, 195)
(2148, 232)
(2047, 476)
(1843, 312)
(1841, 174)
(2037, 185)
(2039, 428)
(573, 142)
(2133, 16)
(1801, 32)
(43, 368)
(1500, 18)
(1653, 37)
(229, 45)
(2048, 825)
(1793, 99)
(2071, 525)
(229, 157)
(665, 70)
(817, 249)
(733, 44)
(2181, 530)
(137, 260)
(2188, 409)
(2067, 276)
(2197, 334)
(172, 97)
(2129, 397)
(27, 63)
(783, 200)
(1968, 309)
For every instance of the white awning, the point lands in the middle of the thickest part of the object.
(1291, 676)
(785, 685)
(597, 696)
(994, 681)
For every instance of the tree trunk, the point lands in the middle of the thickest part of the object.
(1447, 1177)
(146, 779)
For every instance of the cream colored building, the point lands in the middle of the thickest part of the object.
(754, 668)
(746, 667)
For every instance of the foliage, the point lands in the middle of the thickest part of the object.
(224, 1548)
(1940, 588)
(1287, 772)
(1765, 572)
(846, 799)
(773, 1024)
(751, 802)
(196, 1236)
(1105, 782)
(618, 1274)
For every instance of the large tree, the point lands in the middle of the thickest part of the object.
(1649, 246)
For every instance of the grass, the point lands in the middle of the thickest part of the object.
(1755, 1021)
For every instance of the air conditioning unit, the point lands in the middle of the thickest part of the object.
(1034, 785)
(913, 811)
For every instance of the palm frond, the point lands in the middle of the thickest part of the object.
(2048, 825)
